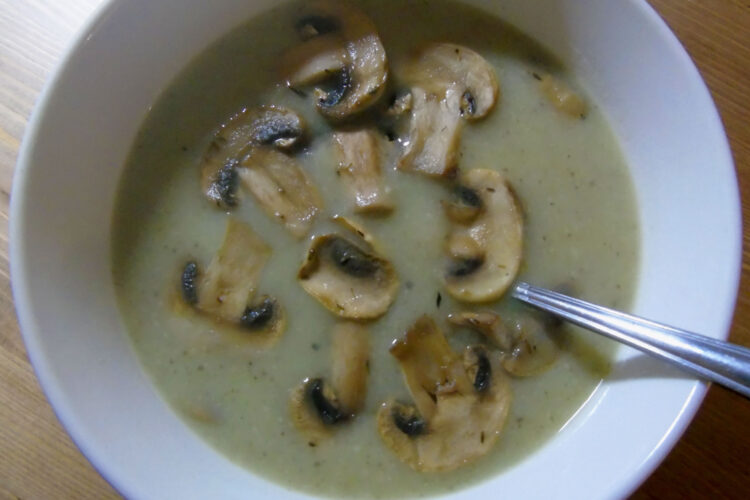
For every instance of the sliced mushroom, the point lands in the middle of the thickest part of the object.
(449, 82)
(350, 350)
(220, 184)
(316, 60)
(434, 134)
(462, 402)
(350, 279)
(443, 66)
(317, 406)
(479, 367)
(265, 317)
(400, 425)
(429, 365)
(465, 207)
(281, 188)
(488, 324)
(497, 234)
(533, 351)
(315, 409)
(563, 97)
(225, 290)
(527, 346)
(401, 104)
(244, 151)
(359, 167)
(356, 69)
(264, 125)
(232, 276)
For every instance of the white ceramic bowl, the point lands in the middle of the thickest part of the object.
(84, 125)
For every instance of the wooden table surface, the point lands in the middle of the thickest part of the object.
(37, 458)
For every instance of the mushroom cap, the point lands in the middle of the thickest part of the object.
(459, 419)
(263, 125)
(349, 278)
(359, 62)
(439, 67)
(498, 234)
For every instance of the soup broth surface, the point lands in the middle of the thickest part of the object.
(580, 231)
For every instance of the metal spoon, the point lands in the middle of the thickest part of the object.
(721, 362)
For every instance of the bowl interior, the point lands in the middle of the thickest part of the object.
(81, 133)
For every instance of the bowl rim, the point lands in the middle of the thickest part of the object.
(32, 337)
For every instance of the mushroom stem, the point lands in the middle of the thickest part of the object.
(350, 353)
(233, 274)
(281, 188)
(359, 168)
(434, 135)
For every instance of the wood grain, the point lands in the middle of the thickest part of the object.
(38, 460)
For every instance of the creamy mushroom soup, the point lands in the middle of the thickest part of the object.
(317, 228)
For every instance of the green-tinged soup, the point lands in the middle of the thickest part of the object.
(579, 231)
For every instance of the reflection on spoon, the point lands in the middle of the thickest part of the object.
(714, 360)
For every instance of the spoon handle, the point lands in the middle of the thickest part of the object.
(721, 362)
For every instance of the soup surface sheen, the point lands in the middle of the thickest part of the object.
(580, 230)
